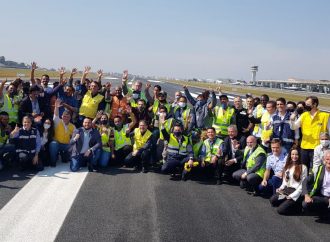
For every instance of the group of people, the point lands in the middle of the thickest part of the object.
(269, 147)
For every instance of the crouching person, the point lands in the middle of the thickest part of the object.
(140, 157)
(210, 154)
(28, 144)
(85, 146)
(318, 200)
(254, 165)
(179, 150)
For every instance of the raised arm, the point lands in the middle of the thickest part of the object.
(73, 72)
(132, 116)
(33, 68)
(124, 82)
(146, 91)
(85, 73)
(99, 75)
(189, 97)
(2, 85)
(213, 101)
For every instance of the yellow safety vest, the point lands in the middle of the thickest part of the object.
(156, 105)
(185, 115)
(120, 138)
(167, 126)
(139, 139)
(105, 137)
(196, 148)
(62, 135)
(174, 147)
(260, 111)
(311, 128)
(211, 150)
(11, 109)
(222, 118)
(90, 104)
(252, 160)
(3, 139)
(266, 133)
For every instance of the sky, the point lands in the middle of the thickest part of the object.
(182, 38)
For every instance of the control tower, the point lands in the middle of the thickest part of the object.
(254, 70)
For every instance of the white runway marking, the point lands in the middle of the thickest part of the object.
(38, 211)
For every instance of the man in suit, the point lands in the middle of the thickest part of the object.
(232, 154)
(85, 146)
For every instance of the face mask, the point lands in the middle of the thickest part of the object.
(291, 110)
(140, 109)
(135, 95)
(46, 126)
(308, 108)
(300, 110)
(325, 143)
(177, 133)
(200, 103)
(177, 97)
(42, 94)
(104, 122)
(182, 104)
(224, 105)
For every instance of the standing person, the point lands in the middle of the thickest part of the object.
(274, 165)
(140, 156)
(141, 113)
(63, 130)
(28, 144)
(253, 165)
(118, 104)
(176, 101)
(256, 116)
(319, 152)
(86, 146)
(201, 106)
(281, 125)
(10, 102)
(288, 196)
(318, 200)
(223, 116)
(240, 118)
(312, 123)
(136, 90)
(185, 115)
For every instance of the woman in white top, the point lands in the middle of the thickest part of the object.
(288, 197)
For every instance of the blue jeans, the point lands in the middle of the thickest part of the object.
(272, 184)
(104, 159)
(80, 160)
(54, 148)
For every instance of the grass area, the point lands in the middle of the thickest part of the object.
(273, 94)
(12, 73)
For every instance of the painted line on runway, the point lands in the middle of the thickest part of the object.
(38, 211)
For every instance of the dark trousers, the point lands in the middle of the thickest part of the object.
(252, 180)
(307, 156)
(141, 160)
(319, 205)
(286, 206)
(171, 164)
(26, 162)
(227, 171)
(272, 184)
(121, 154)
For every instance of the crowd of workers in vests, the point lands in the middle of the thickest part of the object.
(269, 147)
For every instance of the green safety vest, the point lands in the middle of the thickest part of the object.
(197, 147)
(3, 139)
(142, 94)
(222, 118)
(211, 150)
(185, 115)
(252, 160)
(11, 109)
(260, 112)
(316, 182)
(120, 138)
(156, 105)
(105, 137)
(167, 125)
(174, 147)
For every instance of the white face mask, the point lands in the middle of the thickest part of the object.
(182, 104)
(325, 143)
(42, 94)
(177, 97)
(46, 126)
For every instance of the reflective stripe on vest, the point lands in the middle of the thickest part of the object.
(315, 187)
(222, 118)
(11, 109)
(63, 135)
(89, 105)
(174, 147)
(311, 128)
(167, 126)
(120, 138)
(139, 139)
(252, 160)
(211, 150)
